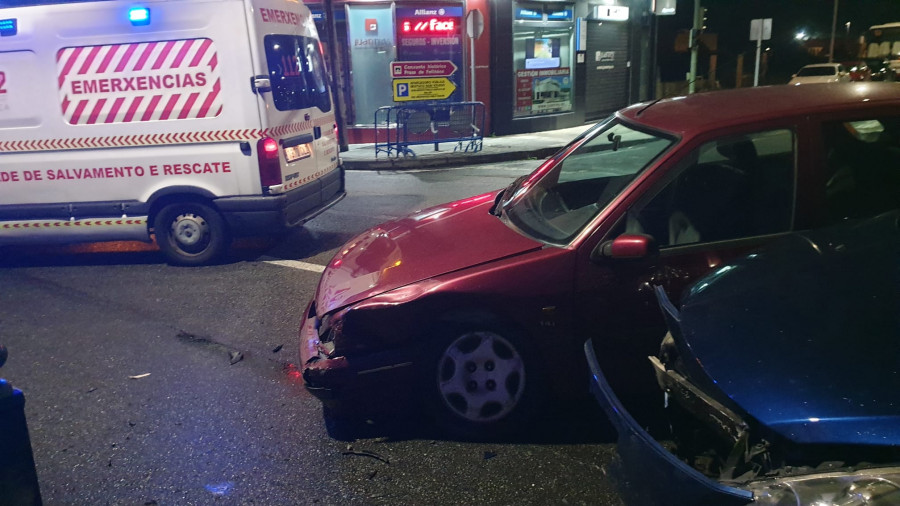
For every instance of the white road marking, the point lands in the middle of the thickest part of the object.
(296, 264)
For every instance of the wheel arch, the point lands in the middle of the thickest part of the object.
(172, 194)
(490, 318)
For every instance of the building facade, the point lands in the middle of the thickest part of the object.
(536, 65)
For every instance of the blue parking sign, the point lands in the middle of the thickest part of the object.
(402, 89)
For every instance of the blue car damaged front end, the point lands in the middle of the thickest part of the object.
(777, 381)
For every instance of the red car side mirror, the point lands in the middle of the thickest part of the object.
(626, 246)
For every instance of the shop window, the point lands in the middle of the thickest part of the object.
(542, 58)
(370, 34)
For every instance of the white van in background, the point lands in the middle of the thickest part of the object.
(192, 120)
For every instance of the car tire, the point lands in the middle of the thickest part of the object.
(480, 382)
(190, 233)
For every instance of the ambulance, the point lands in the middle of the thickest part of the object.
(187, 122)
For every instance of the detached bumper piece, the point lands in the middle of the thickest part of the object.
(325, 376)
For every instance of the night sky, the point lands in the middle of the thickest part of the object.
(730, 20)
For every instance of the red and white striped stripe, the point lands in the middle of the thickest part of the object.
(247, 134)
(125, 63)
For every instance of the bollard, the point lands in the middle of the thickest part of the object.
(18, 476)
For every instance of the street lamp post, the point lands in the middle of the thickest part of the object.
(833, 28)
(694, 45)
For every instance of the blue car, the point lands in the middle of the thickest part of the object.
(778, 382)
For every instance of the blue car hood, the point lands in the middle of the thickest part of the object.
(804, 335)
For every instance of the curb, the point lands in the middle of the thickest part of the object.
(456, 159)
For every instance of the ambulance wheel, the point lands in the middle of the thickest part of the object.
(190, 233)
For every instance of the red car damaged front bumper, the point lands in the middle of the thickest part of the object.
(364, 381)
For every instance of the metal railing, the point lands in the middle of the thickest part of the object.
(398, 127)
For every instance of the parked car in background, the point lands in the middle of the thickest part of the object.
(858, 70)
(779, 378)
(821, 73)
(479, 308)
(881, 70)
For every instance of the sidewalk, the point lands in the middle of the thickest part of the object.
(537, 145)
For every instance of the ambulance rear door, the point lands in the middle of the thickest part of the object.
(296, 107)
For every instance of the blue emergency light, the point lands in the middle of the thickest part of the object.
(139, 16)
(9, 27)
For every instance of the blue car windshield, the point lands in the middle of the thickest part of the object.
(557, 202)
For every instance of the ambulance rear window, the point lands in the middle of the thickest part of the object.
(297, 73)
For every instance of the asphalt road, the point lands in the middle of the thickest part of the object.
(132, 396)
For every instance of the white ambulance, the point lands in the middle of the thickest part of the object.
(192, 120)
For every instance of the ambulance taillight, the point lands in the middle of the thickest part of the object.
(269, 165)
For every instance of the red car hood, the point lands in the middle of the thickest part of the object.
(428, 243)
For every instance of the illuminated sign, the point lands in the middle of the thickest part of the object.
(611, 13)
(423, 89)
(664, 7)
(422, 69)
(535, 15)
(529, 14)
(561, 15)
(429, 26)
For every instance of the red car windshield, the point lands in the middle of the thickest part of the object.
(556, 206)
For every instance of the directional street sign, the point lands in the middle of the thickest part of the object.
(438, 68)
(422, 89)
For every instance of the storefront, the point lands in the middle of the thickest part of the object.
(395, 52)
(537, 66)
(607, 62)
(562, 62)
(543, 58)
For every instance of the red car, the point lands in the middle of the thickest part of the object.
(479, 308)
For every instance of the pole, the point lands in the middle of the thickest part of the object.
(472, 64)
(657, 92)
(336, 92)
(758, 46)
(833, 27)
(695, 49)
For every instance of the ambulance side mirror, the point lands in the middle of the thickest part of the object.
(260, 84)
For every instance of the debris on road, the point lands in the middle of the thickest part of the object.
(139, 376)
(364, 453)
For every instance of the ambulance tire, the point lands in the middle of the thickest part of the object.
(190, 233)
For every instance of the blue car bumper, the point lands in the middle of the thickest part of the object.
(653, 474)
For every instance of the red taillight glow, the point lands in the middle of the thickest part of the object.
(269, 163)
(336, 136)
(270, 147)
